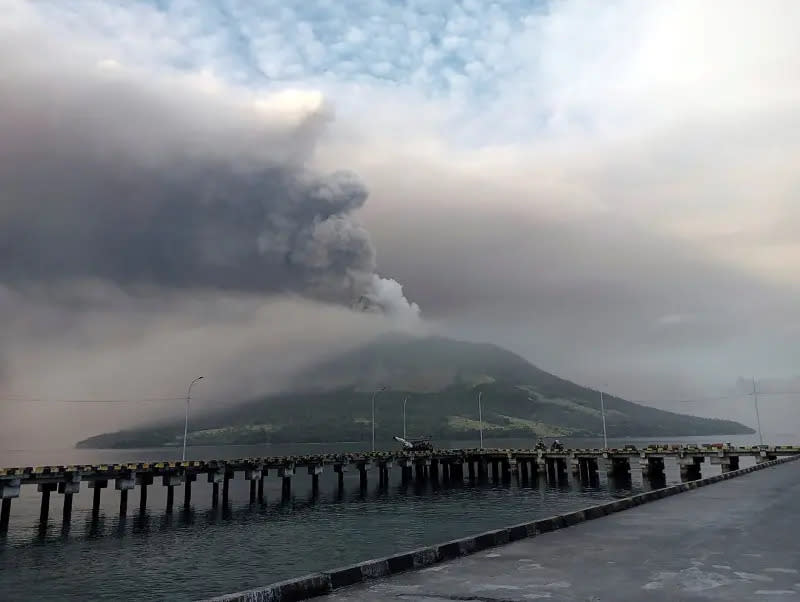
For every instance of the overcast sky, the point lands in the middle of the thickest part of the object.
(610, 189)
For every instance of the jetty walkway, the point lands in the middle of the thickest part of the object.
(447, 465)
(734, 540)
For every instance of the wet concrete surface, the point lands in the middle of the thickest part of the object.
(733, 540)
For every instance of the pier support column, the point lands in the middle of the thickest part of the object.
(362, 475)
(190, 477)
(690, 467)
(45, 489)
(445, 471)
(483, 469)
(456, 470)
(254, 476)
(726, 463)
(653, 468)
(765, 457)
(9, 489)
(541, 465)
(574, 467)
(434, 469)
(618, 466)
(215, 478)
(144, 480)
(588, 469)
(68, 489)
(495, 471)
(471, 469)
(286, 473)
(226, 487)
(523, 469)
(5, 514)
(123, 485)
(505, 466)
(405, 470)
(315, 470)
(261, 485)
(170, 481)
(339, 470)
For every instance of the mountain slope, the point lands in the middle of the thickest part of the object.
(441, 378)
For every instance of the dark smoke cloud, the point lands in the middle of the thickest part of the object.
(110, 174)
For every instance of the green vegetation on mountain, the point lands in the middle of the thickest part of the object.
(441, 378)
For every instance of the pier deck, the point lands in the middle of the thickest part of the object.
(445, 465)
(735, 540)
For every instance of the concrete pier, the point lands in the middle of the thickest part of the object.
(680, 548)
(442, 465)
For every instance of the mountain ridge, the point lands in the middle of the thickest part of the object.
(441, 378)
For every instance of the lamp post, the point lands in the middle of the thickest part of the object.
(405, 399)
(373, 415)
(480, 417)
(186, 421)
(603, 414)
(758, 418)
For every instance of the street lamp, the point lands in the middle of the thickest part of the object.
(480, 417)
(405, 399)
(758, 418)
(603, 414)
(373, 415)
(186, 421)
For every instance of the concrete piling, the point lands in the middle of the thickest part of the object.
(170, 481)
(5, 514)
(68, 488)
(144, 481)
(170, 498)
(523, 469)
(286, 473)
(123, 485)
(44, 510)
(9, 489)
(362, 476)
(226, 487)
(215, 478)
(315, 470)
(689, 467)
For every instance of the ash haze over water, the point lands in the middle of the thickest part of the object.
(189, 188)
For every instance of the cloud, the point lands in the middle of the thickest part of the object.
(177, 181)
(558, 177)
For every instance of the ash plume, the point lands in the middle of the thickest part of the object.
(140, 180)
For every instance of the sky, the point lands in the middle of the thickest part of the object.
(609, 189)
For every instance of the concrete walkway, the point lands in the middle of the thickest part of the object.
(734, 540)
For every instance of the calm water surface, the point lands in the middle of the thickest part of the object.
(202, 552)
